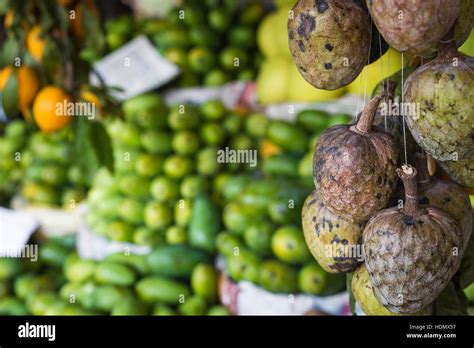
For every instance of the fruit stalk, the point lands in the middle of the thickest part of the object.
(424, 177)
(447, 49)
(364, 125)
(408, 175)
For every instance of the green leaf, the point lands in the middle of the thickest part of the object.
(466, 270)
(91, 24)
(10, 51)
(85, 154)
(10, 96)
(352, 300)
(450, 302)
(102, 145)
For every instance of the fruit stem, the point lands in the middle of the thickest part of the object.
(364, 125)
(408, 175)
(424, 177)
(447, 49)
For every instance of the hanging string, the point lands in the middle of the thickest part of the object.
(368, 63)
(403, 114)
(382, 77)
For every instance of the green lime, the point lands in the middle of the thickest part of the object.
(256, 125)
(258, 237)
(131, 211)
(213, 134)
(275, 276)
(176, 235)
(193, 16)
(172, 37)
(192, 186)
(218, 311)
(216, 77)
(183, 117)
(203, 37)
(246, 75)
(243, 266)
(148, 166)
(242, 37)
(201, 60)
(177, 167)
(207, 161)
(157, 215)
(288, 245)
(252, 13)
(336, 119)
(204, 281)
(119, 231)
(232, 59)
(157, 142)
(177, 56)
(163, 189)
(242, 142)
(193, 305)
(233, 123)
(213, 110)
(163, 310)
(185, 143)
(183, 212)
(219, 19)
(147, 236)
(134, 186)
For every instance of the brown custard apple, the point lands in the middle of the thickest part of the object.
(411, 253)
(329, 41)
(354, 167)
(334, 242)
(414, 26)
(443, 92)
(444, 195)
(365, 297)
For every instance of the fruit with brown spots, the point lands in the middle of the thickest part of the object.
(365, 297)
(443, 91)
(329, 41)
(354, 167)
(414, 26)
(445, 195)
(411, 253)
(333, 241)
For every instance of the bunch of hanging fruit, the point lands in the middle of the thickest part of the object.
(403, 239)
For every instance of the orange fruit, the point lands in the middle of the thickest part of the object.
(77, 24)
(8, 20)
(48, 109)
(34, 43)
(269, 148)
(92, 98)
(28, 84)
(4, 76)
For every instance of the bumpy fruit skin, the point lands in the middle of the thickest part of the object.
(445, 195)
(411, 253)
(444, 90)
(329, 41)
(328, 235)
(461, 171)
(414, 26)
(365, 297)
(355, 171)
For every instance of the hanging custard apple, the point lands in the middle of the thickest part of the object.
(329, 41)
(354, 167)
(414, 26)
(411, 253)
(334, 242)
(446, 196)
(365, 297)
(443, 93)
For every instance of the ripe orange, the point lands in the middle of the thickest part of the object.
(92, 98)
(28, 84)
(77, 24)
(34, 43)
(269, 148)
(8, 20)
(48, 109)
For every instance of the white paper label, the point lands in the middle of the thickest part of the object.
(16, 228)
(136, 68)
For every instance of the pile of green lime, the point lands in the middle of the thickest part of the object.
(52, 176)
(12, 143)
(213, 42)
(60, 283)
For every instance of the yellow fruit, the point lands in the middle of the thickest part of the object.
(8, 20)
(273, 79)
(92, 98)
(272, 35)
(269, 148)
(77, 24)
(48, 109)
(4, 76)
(299, 90)
(372, 74)
(28, 84)
(34, 43)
